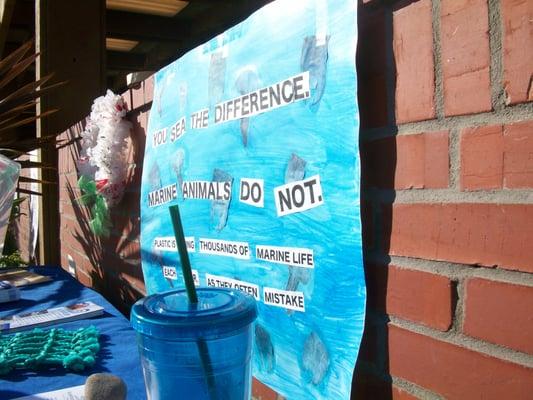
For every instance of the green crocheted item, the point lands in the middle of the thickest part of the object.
(40, 349)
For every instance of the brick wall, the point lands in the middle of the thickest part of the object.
(445, 91)
(447, 158)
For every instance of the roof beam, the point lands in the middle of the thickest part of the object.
(126, 25)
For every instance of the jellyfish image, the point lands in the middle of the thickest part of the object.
(247, 81)
(219, 208)
(314, 58)
(315, 359)
(177, 167)
(295, 170)
(297, 275)
(217, 78)
(182, 93)
(265, 349)
(154, 177)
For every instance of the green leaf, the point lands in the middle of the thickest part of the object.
(19, 200)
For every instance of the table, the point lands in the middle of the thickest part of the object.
(118, 354)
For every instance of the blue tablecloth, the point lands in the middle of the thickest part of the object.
(118, 354)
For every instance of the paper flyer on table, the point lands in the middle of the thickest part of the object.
(72, 393)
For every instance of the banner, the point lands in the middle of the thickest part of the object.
(255, 135)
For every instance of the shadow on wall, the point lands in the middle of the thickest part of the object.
(114, 261)
(376, 95)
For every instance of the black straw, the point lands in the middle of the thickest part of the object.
(203, 351)
(184, 255)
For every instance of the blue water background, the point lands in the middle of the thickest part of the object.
(270, 42)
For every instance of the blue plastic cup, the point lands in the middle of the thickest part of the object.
(196, 351)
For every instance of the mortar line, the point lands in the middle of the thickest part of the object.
(454, 338)
(437, 59)
(454, 150)
(470, 343)
(448, 195)
(508, 115)
(413, 389)
(453, 271)
(498, 95)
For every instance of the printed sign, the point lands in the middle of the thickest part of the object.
(251, 192)
(220, 281)
(254, 135)
(169, 244)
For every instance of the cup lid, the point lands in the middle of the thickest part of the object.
(170, 315)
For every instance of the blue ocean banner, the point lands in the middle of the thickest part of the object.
(255, 135)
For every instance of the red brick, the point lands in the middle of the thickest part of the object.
(133, 275)
(493, 157)
(500, 313)
(481, 234)
(69, 193)
(68, 180)
(465, 56)
(110, 258)
(134, 177)
(129, 250)
(131, 288)
(129, 153)
(62, 161)
(126, 225)
(137, 97)
(414, 295)
(83, 277)
(423, 161)
(455, 372)
(517, 16)
(73, 229)
(148, 85)
(82, 264)
(74, 209)
(518, 155)
(262, 392)
(140, 126)
(406, 162)
(371, 67)
(482, 158)
(413, 54)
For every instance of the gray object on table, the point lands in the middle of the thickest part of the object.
(105, 387)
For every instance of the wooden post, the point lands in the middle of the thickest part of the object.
(70, 35)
